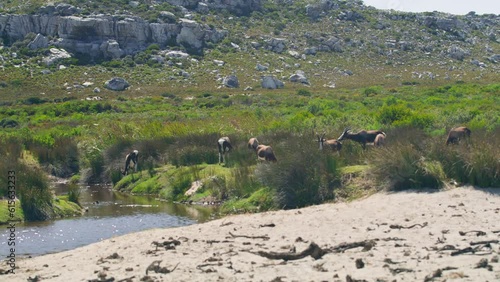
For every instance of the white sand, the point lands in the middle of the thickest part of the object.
(399, 254)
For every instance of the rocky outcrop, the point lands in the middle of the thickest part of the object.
(277, 45)
(237, 7)
(108, 36)
(55, 55)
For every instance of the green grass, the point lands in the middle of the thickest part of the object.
(63, 207)
(5, 215)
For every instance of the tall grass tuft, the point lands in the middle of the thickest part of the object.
(419, 161)
(303, 175)
(404, 166)
(74, 193)
(34, 193)
(60, 159)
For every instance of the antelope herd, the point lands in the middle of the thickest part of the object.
(266, 153)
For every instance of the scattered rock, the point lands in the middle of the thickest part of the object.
(117, 84)
(231, 81)
(270, 82)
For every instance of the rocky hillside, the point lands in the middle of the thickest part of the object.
(297, 41)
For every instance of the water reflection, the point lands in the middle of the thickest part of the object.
(109, 214)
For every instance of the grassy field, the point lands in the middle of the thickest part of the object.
(176, 135)
(174, 113)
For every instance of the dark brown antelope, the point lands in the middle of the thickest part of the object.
(333, 144)
(456, 134)
(132, 157)
(224, 146)
(253, 143)
(266, 153)
(363, 136)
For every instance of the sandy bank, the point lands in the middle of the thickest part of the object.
(404, 236)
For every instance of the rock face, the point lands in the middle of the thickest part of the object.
(117, 84)
(108, 36)
(40, 41)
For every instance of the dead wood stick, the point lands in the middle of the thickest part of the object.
(397, 226)
(313, 250)
(155, 266)
(464, 251)
(127, 279)
(484, 242)
(265, 237)
(366, 244)
(479, 232)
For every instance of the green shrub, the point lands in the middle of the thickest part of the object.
(74, 193)
(403, 166)
(302, 176)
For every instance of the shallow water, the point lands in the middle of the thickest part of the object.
(109, 214)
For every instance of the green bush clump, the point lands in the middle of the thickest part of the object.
(302, 176)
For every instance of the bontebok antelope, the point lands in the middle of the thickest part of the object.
(456, 134)
(132, 157)
(363, 136)
(224, 146)
(264, 152)
(333, 144)
(379, 140)
(253, 143)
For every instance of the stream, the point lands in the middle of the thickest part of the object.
(109, 214)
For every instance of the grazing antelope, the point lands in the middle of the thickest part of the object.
(253, 143)
(362, 136)
(266, 153)
(334, 144)
(132, 157)
(224, 146)
(456, 134)
(379, 140)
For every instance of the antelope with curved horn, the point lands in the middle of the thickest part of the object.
(333, 144)
(264, 152)
(132, 157)
(363, 136)
(224, 146)
(456, 134)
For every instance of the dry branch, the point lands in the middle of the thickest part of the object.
(397, 226)
(313, 250)
(366, 244)
(265, 237)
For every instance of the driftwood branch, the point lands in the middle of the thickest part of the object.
(313, 250)
(397, 226)
(484, 242)
(366, 244)
(155, 266)
(478, 232)
(264, 237)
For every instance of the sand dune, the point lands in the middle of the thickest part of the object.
(404, 236)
